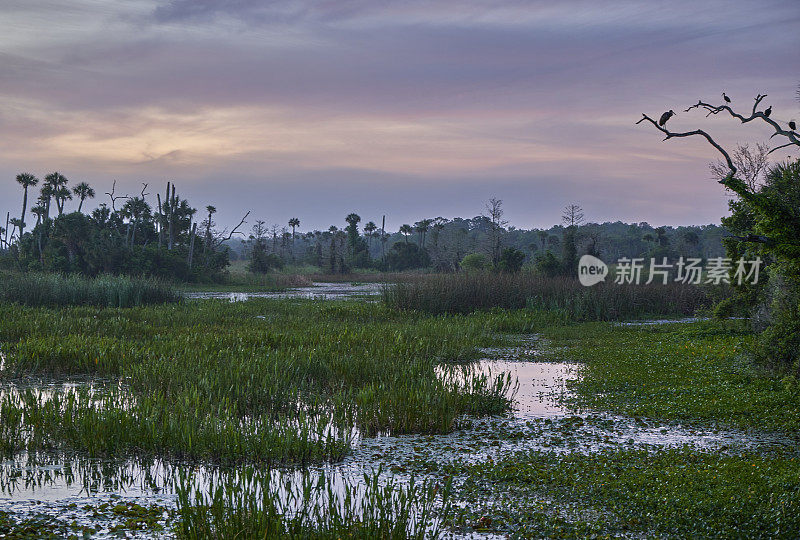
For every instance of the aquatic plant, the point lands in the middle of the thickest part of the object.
(40, 289)
(259, 504)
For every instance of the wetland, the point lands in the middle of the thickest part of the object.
(323, 416)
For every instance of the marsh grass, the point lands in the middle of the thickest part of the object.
(251, 282)
(468, 292)
(52, 290)
(273, 381)
(253, 504)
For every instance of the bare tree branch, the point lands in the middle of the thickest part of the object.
(716, 109)
(671, 134)
(113, 198)
(781, 146)
(755, 114)
(234, 230)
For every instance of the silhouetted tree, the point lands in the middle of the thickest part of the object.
(406, 231)
(26, 180)
(83, 191)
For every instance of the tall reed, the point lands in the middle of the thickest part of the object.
(52, 290)
(257, 504)
(464, 293)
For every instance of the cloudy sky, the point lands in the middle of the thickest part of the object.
(409, 109)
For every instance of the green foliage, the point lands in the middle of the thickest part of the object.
(547, 264)
(770, 216)
(511, 260)
(681, 493)
(262, 262)
(683, 372)
(474, 262)
(103, 244)
(38, 289)
(406, 256)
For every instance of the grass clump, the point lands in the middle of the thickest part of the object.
(53, 290)
(468, 292)
(253, 504)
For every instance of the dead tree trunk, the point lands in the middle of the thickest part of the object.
(191, 246)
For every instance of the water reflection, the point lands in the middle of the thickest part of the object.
(319, 291)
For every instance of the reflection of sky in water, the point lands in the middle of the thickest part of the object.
(327, 291)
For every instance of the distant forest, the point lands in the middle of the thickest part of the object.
(442, 244)
(150, 235)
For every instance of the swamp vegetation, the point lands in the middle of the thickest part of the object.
(326, 419)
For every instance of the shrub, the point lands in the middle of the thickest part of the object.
(474, 262)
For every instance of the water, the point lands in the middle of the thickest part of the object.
(318, 291)
(61, 485)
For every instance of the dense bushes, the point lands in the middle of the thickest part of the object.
(766, 224)
(463, 293)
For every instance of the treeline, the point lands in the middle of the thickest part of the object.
(480, 243)
(131, 237)
(168, 238)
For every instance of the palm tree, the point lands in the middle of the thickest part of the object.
(207, 243)
(370, 229)
(135, 209)
(25, 180)
(406, 230)
(38, 210)
(62, 195)
(17, 224)
(83, 190)
(294, 222)
(352, 220)
(422, 228)
(58, 191)
(45, 195)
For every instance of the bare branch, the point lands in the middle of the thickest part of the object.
(234, 230)
(671, 134)
(755, 114)
(115, 198)
(781, 146)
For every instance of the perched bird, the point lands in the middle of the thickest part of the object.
(666, 116)
(726, 98)
(768, 111)
(792, 125)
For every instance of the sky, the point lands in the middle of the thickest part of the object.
(408, 109)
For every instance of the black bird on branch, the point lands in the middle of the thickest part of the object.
(792, 125)
(768, 111)
(726, 98)
(666, 116)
